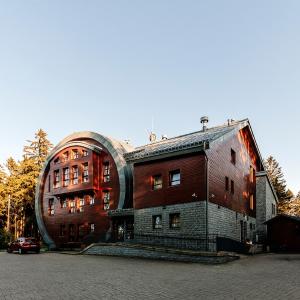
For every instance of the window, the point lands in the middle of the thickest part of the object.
(84, 153)
(85, 174)
(251, 202)
(232, 187)
(51, 207)
(156, 182)
(57, 160)
(233, 157)
(91, 227)
(157, 222)
(62, 230)
(226, 183)
(71, 232)
(72, 209)
(174, 177)
(273, 209)
(56, 182)
(252, 173)
(91, 200)
(63, 203)
(81, 204)
(66, 176)
(175, 220)
(75, 154)
(66, 156)
(106, 199)
(106, 172)
(75, 175)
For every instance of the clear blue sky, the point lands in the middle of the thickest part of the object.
(110, 66)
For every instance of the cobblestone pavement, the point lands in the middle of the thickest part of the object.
(59, 276)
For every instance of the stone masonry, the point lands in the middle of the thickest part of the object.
(265, 197)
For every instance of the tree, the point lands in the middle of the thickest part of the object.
(35, 155)
(277, 178)
(291, 207)
(2, 193)
(39, 148)
(20, 184)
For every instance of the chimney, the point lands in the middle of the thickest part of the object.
(152, 137)
(204, 120)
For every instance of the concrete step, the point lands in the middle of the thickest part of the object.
(154, 252)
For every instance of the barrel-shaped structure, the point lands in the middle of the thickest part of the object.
(83, 178)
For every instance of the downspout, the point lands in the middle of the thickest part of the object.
(207, 200)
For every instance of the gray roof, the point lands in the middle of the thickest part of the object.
(197, 141)
(294, 218)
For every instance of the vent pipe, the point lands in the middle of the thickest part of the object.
(204, 120)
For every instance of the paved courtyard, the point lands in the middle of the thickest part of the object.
(60, 276)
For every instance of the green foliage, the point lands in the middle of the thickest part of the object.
(277, 178)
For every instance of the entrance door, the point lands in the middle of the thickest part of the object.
(122, 229)
(243, 230)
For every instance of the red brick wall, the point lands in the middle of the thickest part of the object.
(192, 168)
(220, 166)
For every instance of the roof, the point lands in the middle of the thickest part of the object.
(195, 141)
(280, 216)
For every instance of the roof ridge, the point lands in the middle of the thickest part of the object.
(234, 123)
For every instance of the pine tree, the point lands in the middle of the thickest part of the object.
(21, 183)
(277, 178)
(35, 155)
(39, 148)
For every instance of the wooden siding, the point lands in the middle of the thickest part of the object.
(192, 169)
(220, 167)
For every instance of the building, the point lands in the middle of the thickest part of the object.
(183, 191)
(284, 233)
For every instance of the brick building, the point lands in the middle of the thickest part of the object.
(183, 191)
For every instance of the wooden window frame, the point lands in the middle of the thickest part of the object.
(156, 186)
(172, 224)
(173, 182)
(155, 225)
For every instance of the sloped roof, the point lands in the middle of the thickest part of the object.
(283, 216)
(198, 139)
